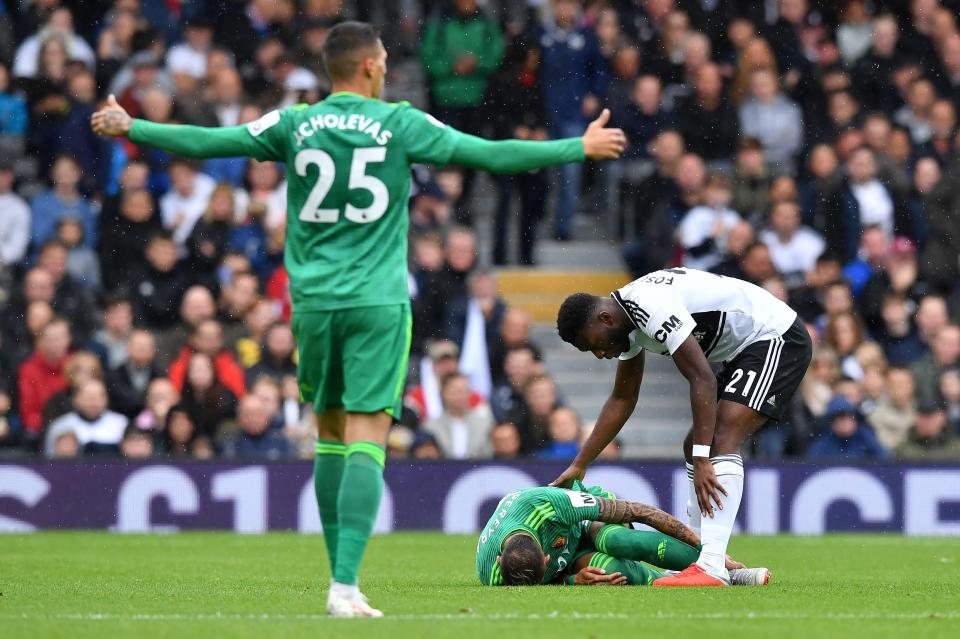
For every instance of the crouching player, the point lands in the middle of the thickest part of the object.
(555, 536)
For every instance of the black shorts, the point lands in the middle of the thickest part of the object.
(766, 374)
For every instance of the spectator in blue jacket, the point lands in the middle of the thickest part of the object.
(574, 82)
(255, 439)
(13, 107)
(848, 436)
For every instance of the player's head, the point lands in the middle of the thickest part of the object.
(353, 53)
(522, 561)
(594, 324)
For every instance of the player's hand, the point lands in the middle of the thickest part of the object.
(601, 143)
(592, 576)
(732, 564)
(707, 486)
(111, 120)
(570, 475)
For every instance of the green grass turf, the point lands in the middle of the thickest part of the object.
(223, 585)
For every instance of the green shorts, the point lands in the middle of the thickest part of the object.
(354, 358)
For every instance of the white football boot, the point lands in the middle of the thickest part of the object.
(750, 577)
(347, 605)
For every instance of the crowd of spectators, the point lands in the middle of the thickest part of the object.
(807, 146)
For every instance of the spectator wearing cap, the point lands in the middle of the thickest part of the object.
(62, 200)
(895, 413)
(460, 50)
(15, 230)
(133, 83)
(845, 436)
(462, 431)
(255, 440)
(98, 429)
(425, 446)
(442, 359)
(930, 439)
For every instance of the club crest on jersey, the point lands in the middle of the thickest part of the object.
(559, 543)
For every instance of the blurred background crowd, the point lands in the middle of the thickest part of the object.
(808, 147)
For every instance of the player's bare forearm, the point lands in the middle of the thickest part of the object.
(693, 365)
(621, 511)
(703, 404)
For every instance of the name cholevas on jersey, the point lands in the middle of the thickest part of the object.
(724, 314)
(348, 185)
(556, 517)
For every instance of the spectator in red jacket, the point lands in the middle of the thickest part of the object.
(207, 338)
(41, 376)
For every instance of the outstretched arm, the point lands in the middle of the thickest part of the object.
(620, 511)
(181, 139)
(615, 413)
(516, 156)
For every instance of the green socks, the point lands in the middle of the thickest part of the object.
(636, 573)
(357, 505)
(640, 545)
(327, 473)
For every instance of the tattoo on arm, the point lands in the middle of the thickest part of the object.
(619, 511)
(114, 120)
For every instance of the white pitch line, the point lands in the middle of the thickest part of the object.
(659, 615)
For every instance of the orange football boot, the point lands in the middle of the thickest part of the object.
(693, 575)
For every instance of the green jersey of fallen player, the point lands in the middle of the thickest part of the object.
(555, 516)
(348, 180)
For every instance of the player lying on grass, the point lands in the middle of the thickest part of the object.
(555, 536)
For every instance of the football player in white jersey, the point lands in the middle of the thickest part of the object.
(697, 318)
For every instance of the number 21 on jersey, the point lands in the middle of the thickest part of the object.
(326, 171)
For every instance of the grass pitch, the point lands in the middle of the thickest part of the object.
(223, 585)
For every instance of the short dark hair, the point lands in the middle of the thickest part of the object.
(521, 561)
(574, 315)
(342, 43)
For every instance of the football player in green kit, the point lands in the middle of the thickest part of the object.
(555, 536)
(348, 163)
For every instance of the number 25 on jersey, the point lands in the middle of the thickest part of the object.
(326, 171)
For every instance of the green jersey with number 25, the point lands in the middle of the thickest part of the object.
(348, 181)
